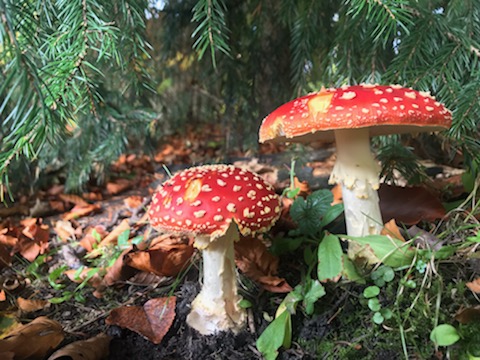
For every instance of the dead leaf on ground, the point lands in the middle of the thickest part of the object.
(424, 239)
(31, 305)
(409, 205)
(118, 186)
(95, 348)
(167, 255)
(391, 229)
(254, 260)
(73, 199)
(468, 315)
(64, 230)
(112, 237)
(152, 321)
(79, 211)
(474, 285)
(34, 340)
(34, 240)
(119, 271)
(91, 274)
(89, 240)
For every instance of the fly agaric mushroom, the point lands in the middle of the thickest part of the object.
(350, 115)
(215, 203)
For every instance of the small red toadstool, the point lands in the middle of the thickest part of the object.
(215, 203)
(350, 115)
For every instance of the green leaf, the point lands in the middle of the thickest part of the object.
(371, 291)
(330, 255)
(374, 304)
(444, 335)
(378, 318)
(307, 213)
(350, 271)
(390, 251)
(332, 213)
(122, 240)
(313, 291)
(276, 335)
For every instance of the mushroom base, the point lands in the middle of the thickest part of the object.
(357, 171)
(216, 308)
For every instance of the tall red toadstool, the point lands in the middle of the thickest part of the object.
(350, 115)
(215, 203)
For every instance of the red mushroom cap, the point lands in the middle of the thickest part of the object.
(206, 199)
(383, 109)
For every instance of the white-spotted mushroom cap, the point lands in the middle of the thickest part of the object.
(384, 109)
(206, 199)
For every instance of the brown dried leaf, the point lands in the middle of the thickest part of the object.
(73, 275)
(73, 199)
(95, 348)
(391, 229)
(468, 315)
(111, 238)
(79, 211)
(89, 240)
(254, 260)
(34, 340)
(119, 271)
(35, 239)
(409, 205)
(65, 230)
(474, 285)
(118, 186)
(167, 255)
(28, 305)
(152, 321)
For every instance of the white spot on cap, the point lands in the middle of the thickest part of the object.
(429, 108)
(248, 214)
(216, 199)
(402, 107)
(397, 99)
(377, 92)
(220, 182)
(196, 203)
(206, 188)
(339, 108)
(396, 86)
(218, 218)
(166, 217)
(383, 100)
(365, 110)
(231, 207)
(177, 188)
(251, 194)
(259, 186)
(188, 222)
(389, 90)
(179, 212)
(237, 188)
(410, 94)
(415, 106)
(199, 214)
(376, 105)
(348, 95)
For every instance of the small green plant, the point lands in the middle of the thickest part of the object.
(380, 277)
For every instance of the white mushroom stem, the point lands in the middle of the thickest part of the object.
(358, 173)
(216, 308)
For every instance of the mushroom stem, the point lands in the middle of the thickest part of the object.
(357, 172)
(216, 308)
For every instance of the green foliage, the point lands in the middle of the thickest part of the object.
(54, 59)
(444, 335)
(276, 335)
(380, 276)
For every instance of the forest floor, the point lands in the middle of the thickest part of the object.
(65, 278)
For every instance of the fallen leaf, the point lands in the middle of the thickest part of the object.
(474, 285)
(254, 260)
(73, 199)
(167, 255)
(64, 229)
(79, 211)
(119, 271)
(110, 238)
(391, 229)
(133, 201)
(33, 340)
(35, 239)
(91, 274)
(152, 321)
(28, 305)
(95, 348)
(3, 296)
(468, 315)
(89, 240)
(118, 186)
(409, 205)
(425, 239)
